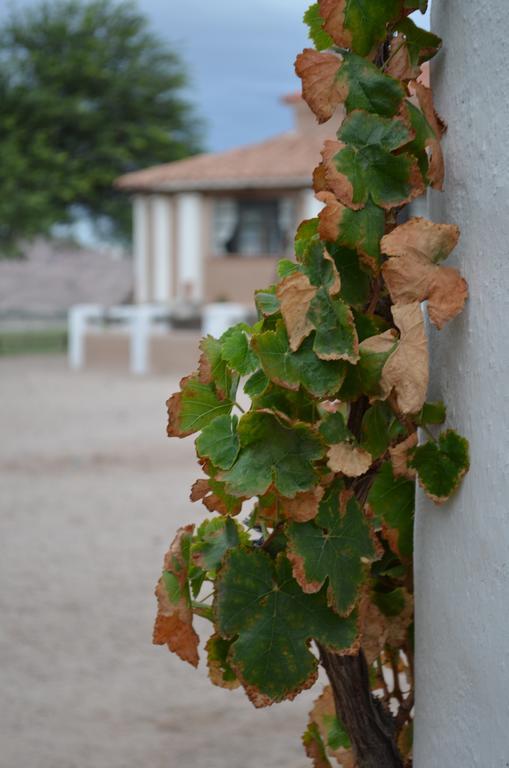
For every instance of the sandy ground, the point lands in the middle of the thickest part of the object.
(91, 491)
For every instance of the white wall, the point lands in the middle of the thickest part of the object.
(462, 549)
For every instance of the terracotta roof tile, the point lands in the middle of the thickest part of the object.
(285, 160)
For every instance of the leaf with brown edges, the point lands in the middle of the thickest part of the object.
(174, 622)
(406, 372)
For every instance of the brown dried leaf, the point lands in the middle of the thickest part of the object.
(174, 620)
(335, 181)
(400, 65)
(399, 457)
(348, 459)
(421, 237)
(333, 14)
(436, 169)
(330, 216)
(225, 505)
(411, 274)
(295, 294)
(320, 86)
(407, 369)
(304, 506)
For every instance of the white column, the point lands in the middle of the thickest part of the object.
(163, 230)
(78, 321)
(462, 549)
(311, 206)
(189, 245)
(141, 242)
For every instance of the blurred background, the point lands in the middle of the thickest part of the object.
(155, 159)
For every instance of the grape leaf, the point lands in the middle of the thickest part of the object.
(273, 453)
(213, 495)
(258, 600)
(320, 38)
(334, 549)
(411, 48)
(407, 369)
(329, 80)
(220, 671)
(236, 350)
(366, 377)
(431, 413)
(219, 441)
(355, 281)
(411, 274)
(400, 455)
(336, 336)
(174, 621)
(333, 737)
(379, 427)
(348, 459)
(212, 541)
(436, 167)
(295, 294)
(195, 406)
(293, 369)
(358, 230)
(358, 24)
(441, 465)
(213, 369)
(256, 384)
(315, 748)
(267, 302)
(392, 501)
(333, 429)
(362, 164)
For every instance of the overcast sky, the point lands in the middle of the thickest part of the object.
(240, 57)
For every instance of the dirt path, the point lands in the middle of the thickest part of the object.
(90, 493)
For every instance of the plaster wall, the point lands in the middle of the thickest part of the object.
(462, 549)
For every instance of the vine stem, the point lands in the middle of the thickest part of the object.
(370, 726)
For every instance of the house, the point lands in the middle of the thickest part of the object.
(212, 227)
(208, 231)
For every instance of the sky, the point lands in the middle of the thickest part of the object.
(239, 56)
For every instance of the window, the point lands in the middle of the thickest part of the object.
(247, 228)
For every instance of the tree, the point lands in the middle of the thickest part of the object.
(87, 93)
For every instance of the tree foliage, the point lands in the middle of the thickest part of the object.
(336, 370)
(87, 93)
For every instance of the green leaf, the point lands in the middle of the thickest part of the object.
(368, 88)
(423, 134)
(392, 500)
(219, 441)
(237, 352)
(321, 40)
(220, 671)
(212, 541)
(441, 465)
(267, 303)
(293, 369)
(364, 24)
(337, 737)
(334, 547)
(286, 267)
(213, 368)
(431, 413)
(364, 378)
(320, 270)
(256, 384)
(368, 163)
(368, 325)
(315, 746)
(421, 44)
(336, 336)
(380, 428)
(355, 281)
(334, 430)
(195, 406)
(306, 233)
(258, 600)
(296, 405)
(390, 603)
(272, 452)
(362, 231)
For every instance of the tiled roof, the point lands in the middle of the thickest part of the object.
(286, 160)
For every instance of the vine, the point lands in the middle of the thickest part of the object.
(321, 455)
